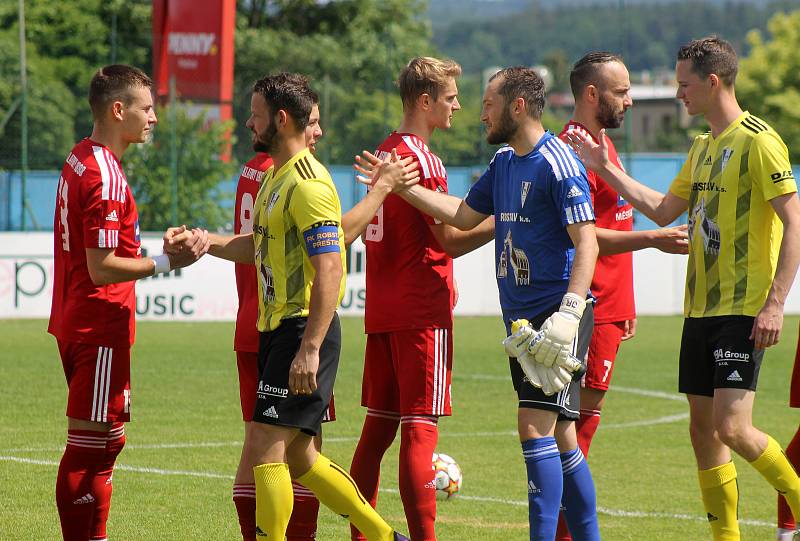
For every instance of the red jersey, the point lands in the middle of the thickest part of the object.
(94, 209)
(409, 276)
(612, 282)
(246, 338)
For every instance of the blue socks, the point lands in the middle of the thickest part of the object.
(544, 486)
(578, 499)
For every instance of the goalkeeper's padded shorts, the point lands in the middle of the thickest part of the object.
(567, 401)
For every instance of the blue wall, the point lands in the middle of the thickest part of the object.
(657, 170)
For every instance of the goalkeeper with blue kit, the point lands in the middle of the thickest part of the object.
(545, 253)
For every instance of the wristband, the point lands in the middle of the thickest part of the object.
(572, 304)
(161, 264)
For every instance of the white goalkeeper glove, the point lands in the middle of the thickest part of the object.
(553, 342)
(549, 380)
(521, 334)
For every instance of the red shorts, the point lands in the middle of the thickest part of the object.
(99, 381)
(247, 364)
(606, 338)
(408, 372)
(794, 391)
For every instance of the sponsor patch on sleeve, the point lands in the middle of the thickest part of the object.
(322, 238)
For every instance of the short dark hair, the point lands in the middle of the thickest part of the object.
(711, 55)
(114, 83)
(425, 75)
(290, 92)
(586, 71)
(522, 82)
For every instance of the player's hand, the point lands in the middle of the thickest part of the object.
(194, 245)
(593, 155)
(303, 372)
(394, 174)
(672, 240)
(549, 380)
(767, 325)
(365, 165)
(629, 330)
(558, 331)
(173, 240)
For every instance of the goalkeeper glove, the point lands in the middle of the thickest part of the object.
(521, 334)
(553, 342)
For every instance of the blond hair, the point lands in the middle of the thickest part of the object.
(425, 75)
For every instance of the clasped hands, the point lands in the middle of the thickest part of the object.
(184, 246)
(546, 355)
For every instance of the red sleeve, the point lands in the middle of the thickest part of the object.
(591, 176)
(101, 217)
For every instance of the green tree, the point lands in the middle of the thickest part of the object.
(768, 83)
(200, 170)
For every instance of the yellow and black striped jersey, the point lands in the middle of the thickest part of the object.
(297, 215)
(734, 233)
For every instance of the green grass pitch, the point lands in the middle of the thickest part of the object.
(174, 477)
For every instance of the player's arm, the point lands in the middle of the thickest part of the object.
(383, 178)
(663, 209)
(105, 267)
(444, 207)
(769, 320)
(672, 240)
(457, 243)
(584, 238)
(236, 248)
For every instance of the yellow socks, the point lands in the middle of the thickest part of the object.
(274, 499)
(721, 499)
(778, 471)
(336, 489)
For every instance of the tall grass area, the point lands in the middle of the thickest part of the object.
(174, 476)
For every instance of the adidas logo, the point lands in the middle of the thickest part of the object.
(270, 412)
(260, 532)
(711, 518)
(112, 216)
(574, 192)
(88, 498)
(735, 376)
(708, 160)
(532, 489)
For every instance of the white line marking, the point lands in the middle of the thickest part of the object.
(487, 499)
(660, 421)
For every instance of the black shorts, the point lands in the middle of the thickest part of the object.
(275, 405)
(717, 353)
(567, 401)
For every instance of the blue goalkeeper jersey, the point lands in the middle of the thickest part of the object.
(533, 199)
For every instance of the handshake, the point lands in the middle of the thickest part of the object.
(546, 355)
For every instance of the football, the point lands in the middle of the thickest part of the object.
(447, 476)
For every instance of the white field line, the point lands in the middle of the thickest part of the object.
(482, 499)
(343, 439)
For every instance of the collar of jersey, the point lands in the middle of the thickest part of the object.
(547, 135)
(732, 126)
(285, 167)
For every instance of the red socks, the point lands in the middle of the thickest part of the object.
(102, 485)
(302, 524)
(75, 500)
(586, 426)
(244, 498)
(377, 436)
(418, 436)
(785, 518)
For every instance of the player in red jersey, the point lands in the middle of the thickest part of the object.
(601, 85)
(409, 303)
(787, 525)
(97, 258)
(303, 521)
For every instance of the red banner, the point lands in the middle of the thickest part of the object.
(193, 42)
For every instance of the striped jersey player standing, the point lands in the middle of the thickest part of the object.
(409, 306)
(744, 250)
(97, 258)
